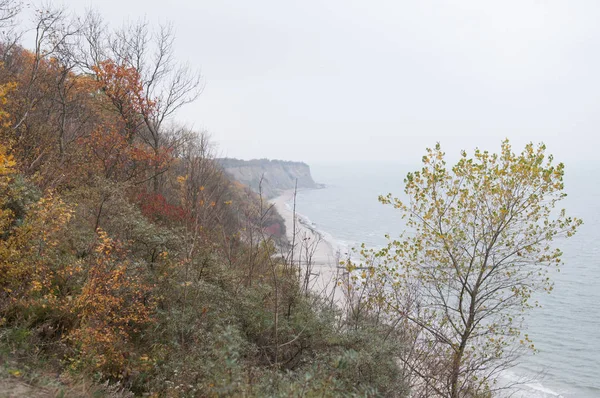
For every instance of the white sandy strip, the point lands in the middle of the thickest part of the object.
(324, 261)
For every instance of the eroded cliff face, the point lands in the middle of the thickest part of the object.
(277, 175)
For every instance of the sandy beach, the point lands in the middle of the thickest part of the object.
(311, 251)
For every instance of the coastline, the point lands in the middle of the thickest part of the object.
(535, 383)
(311, 250)
(325, 275)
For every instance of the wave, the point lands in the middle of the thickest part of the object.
(527, 387)
(341, 247)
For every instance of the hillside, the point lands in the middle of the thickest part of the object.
(270, 176)
(131, 263)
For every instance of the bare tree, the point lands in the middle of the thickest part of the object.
(54, 32)
(166, 84)
(9, 34)
(43, 83)
(9, 9)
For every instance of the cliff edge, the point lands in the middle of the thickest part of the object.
(277, 175)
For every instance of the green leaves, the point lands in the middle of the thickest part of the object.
(482, 245)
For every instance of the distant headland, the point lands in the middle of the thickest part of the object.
(276, 175)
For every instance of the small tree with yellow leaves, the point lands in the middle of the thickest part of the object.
(461, 281)
(111, 309)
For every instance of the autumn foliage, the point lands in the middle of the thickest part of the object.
(112, 307)
(92, 249)
(156, 207)
(124, 91)
(68, 262)
(127, 255)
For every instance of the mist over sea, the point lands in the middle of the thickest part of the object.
(566, 330)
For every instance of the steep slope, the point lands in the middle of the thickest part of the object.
(276, 175)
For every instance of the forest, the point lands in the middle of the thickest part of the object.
(130, 263)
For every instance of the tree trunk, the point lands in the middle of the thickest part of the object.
(458, 355)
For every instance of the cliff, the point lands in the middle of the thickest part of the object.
(277, 175)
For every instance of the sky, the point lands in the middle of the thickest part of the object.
(365, 81)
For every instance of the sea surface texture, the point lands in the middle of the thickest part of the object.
(566, 330)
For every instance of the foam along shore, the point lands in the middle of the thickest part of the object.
(311, 250)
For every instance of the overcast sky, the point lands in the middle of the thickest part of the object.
(381, 80)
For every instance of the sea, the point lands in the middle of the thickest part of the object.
(565, 330)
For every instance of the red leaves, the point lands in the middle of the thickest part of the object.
(274, 230)
(155, 207)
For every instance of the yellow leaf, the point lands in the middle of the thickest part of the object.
(15, 372)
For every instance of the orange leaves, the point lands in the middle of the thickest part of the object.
(110, 149)
(111, 307)
(117, 158)
(105, 244)
(123, 86)
(100, 301)
(157, 158)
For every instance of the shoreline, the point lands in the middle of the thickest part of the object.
(312, 251)
(325, 275)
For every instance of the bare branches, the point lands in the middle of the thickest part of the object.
(161, 85)
(152, 53)
(92, 46)
(9, 9)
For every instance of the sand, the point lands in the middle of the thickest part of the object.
(311, 251)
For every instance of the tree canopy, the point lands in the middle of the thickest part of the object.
(478, 248)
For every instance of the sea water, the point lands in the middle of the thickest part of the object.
(566, 330)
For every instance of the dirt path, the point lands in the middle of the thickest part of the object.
(12, 387)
